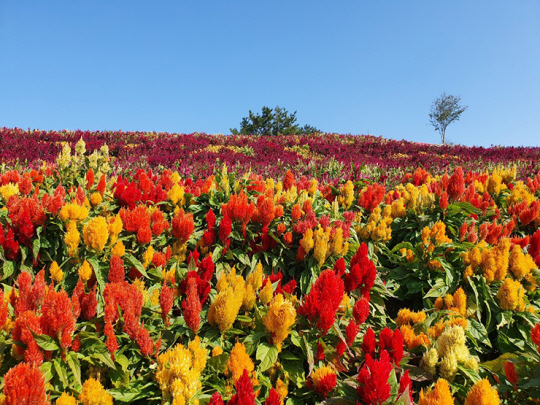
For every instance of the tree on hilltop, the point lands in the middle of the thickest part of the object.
(445, 110)
(272, 121)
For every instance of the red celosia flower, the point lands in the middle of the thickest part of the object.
(24, 323)
(369, 343)
(129, 299)
(101, 185)
(371, 197)
(266, 210)
(4, 310)
(535, 335)
(361, 310)
(30, 295)
(117, 273)
(158, 222)
(324, 382)
(225, 228)
(192, 307)
(273, 398)
(216, 399)
(238, 208)
(24, 384)
(89, 305)
(373, 379)
(363, 272)
(166, 299)
(76, 345)
(296, 212)
(392, 342)
(57, 318)
(340, 348)
(320, 352)
(145, 343)
(339, 267)
(183, 226)
(530, 214)
(111, 342)
(404, 383)
(534, 248)
(244, 391)
(456, 184)
(351, 331)
(511, 373)
(144, 235)
(323, 300)
(463, 231)
(25, 185)
(203, 286)
(89, 179)
(443, 201)
(135, 218)
(289, 181)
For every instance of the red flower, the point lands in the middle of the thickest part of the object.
(361, 310)
(192, 307)
(25, 323)
(24, 384)
(511, 373)
(111, 342)
(534, 248)
(320, 352)
(363, 272)
(145, 343)
(535, 335)
(289, 181)
(443, 201)
(273, 398)
(135, 218)
(371, 197)
(351, 331)
(323, 300)
(101, 185)
(89, 179)
(456, 184)
(116, 270)
(339, 267)
(30, 296)
(225, 228)
(4, 310)
(370, 343)
(144, 235)
(216, 399)
(159, 259)
(373, 379)
(244, 391)
(238, 208)
(57, 318)
(183, 226)
(392, 342)
(404, 383)
(166, 299)
(89, 305)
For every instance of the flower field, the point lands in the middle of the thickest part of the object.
(137, 268)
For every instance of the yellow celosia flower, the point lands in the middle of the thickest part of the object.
(439, 395)
(406, 316)
(95, 199)
(482, 394)
(495, 182)
(179, 371)
(398, 208)
(256, 278)
(225, 307)
(520, 193)
(321, 244)
(119, 249)
(148, 256)
(56, 273)
(266, 293)
(9, 190)
(73, 212)
(95, 233)
(318, 375)
(176, 195)
(239, 361)
(510, 295)
(336, 246)
(449, 366)
(520, 264)
(93, 393)
(307, 241)
(495, 261)
(279, 319)
(346, 194)
(216, 351)
(85, 271)
(66, 399)
(115, 227)
(313, 186)
(281, 388)
(408, 254)
(72, 238)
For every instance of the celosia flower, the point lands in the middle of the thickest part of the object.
(520, 264)
(239, 361)
(66, 399)
(85, 271)
(511, 373)
(111, 342)
(267, 292)
(535, 335)
(183, 226)
(439, 395)
(26, 323)
(279, 319)
(56, 273)
(373, 379)
(510, 295)
(216, 399)
(363, 272)
(72, 238)
(57, 318)
(392, 342)
(93, 393)
(361, 310)
(273, 398)
(24, 384)
(482, 394)
(144, 341)
(324, 380)
(166, 299)
(225, 307)
(193, 306)
(369, 343)
(179, 371)
(244, 391)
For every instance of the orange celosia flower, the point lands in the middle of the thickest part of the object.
(239, 361)
(439, 395)
(24, 384)
(482, 394)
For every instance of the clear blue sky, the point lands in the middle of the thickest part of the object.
(357, 67)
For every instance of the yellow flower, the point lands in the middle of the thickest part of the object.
(95, 199)
(281, 388)
(520, 264)
(93, 393)
(95, 233)
(266, 293)
(510, 295)
(256, 278)
(73, 212)
(66, 399)
(225, 307)
(148, 256)
(72, 238)
(346, 196)
(119, 249)
(439, 395)
(239, 361)
(495, 261)
(56, 273)
(482, 394)
(321, 244)
(8, 190)
(318, 375)
(279, 319)
(449, 366)
(411, 339)
(336, 246)
(307, 241)
(430, 360)
(85, 271)
(216, 351)
(115, 227)
(176, 195)
(179, 371)
(460, 301)
(520, 193)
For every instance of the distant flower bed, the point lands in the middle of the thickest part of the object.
(164, 287)
(329, 157)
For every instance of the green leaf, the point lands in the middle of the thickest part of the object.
(497, 366)
(46, 370)
(123, 361)
(132, 261)
(46, 342)
(75, 366)
(438, 290)
(7, 269)
(267, 354)
(36, 245)
(94, 262)
(61, 372)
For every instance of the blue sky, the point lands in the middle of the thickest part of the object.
(357, 67)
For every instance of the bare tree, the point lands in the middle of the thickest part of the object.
(444, 111)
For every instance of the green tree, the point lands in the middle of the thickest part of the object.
(445, 110)
(272, 121)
